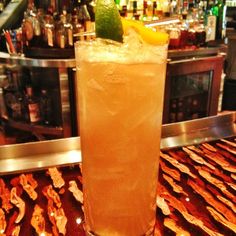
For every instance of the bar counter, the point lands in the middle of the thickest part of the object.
(196, 185)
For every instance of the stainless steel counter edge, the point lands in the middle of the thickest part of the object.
(198, 131)
(40, 155)
(33, 62)
(173, 55)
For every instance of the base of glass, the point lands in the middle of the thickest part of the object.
(149, 233)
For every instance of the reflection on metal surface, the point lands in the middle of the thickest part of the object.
(39, 155)
(198, 131)
(33, 62)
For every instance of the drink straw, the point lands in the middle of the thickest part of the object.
(9, 41)
(86, 33)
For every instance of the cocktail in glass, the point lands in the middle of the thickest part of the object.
(120, 94)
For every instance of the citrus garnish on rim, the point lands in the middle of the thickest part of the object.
(108, 21)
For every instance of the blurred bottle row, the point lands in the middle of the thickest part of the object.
(199, 21)
(20, 101)
(230, 3)
(47, 28)
(3, 4)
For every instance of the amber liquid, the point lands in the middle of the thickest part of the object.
(120, 127)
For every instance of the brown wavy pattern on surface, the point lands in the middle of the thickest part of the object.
(179, 206)
(198, 159)
(221, 161)
(233, 144)
(172, 225)
(227, 148)
(209, 148)
(218, 217)
(209, 198)
(217, 183)
(175, 174)
(183, 168)
(176, 188)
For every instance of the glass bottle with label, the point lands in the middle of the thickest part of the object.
(33, 106)
(49, 31)
(60, 32)
(85, 19)
(135, 15)
(13, 96)
(154, 11)
(66, 20)
(124, 11)
(166, 8)
(77, 28)
(219, 10)
(9, 93)
(36, 40)
(210, 22)
(31, 28)
(144, 15)
(159, 10)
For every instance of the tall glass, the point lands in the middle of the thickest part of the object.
(120, 95)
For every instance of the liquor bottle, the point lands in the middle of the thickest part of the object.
(191, 4)
(184, 9)
(166, 8)
(31, 25)
(175, 36)
(185, 33)
(60, 32)
(9, 92)
(200, 35)
(123, 11)
(68, 29)
(219, 10)
(27, 24)
(49, 31)
(173, 8)
(159, 10)
(33, 106)
(12, 95)
(154, 11)
(135, 15)
(77, 28)
(85, 19)
(144, 15)
(46, 108)
(37, 35)
(210, 22)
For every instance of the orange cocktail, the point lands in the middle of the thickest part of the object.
(120, 89)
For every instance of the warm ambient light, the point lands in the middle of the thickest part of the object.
(187, 199)
(79, 221)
